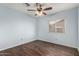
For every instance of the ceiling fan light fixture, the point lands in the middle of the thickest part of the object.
(39, 13)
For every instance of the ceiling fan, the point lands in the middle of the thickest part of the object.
(39, 11)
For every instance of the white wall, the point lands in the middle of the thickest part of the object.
(15, 28)
(69, 38)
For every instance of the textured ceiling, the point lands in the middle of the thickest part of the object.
(57, 7)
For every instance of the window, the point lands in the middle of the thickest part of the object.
(56, 26)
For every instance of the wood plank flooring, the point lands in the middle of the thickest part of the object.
(39, 48)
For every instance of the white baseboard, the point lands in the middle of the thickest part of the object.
(56, 43)
(17, 44)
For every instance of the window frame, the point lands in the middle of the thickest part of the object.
(56, 27)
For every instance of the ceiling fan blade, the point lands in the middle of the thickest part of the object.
(27, 4)
(49, 8)
(44, 13)
(30, 10)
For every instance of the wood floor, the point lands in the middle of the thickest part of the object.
(39, 48)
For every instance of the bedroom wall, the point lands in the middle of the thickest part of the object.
(70, 37)
(15, 28)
